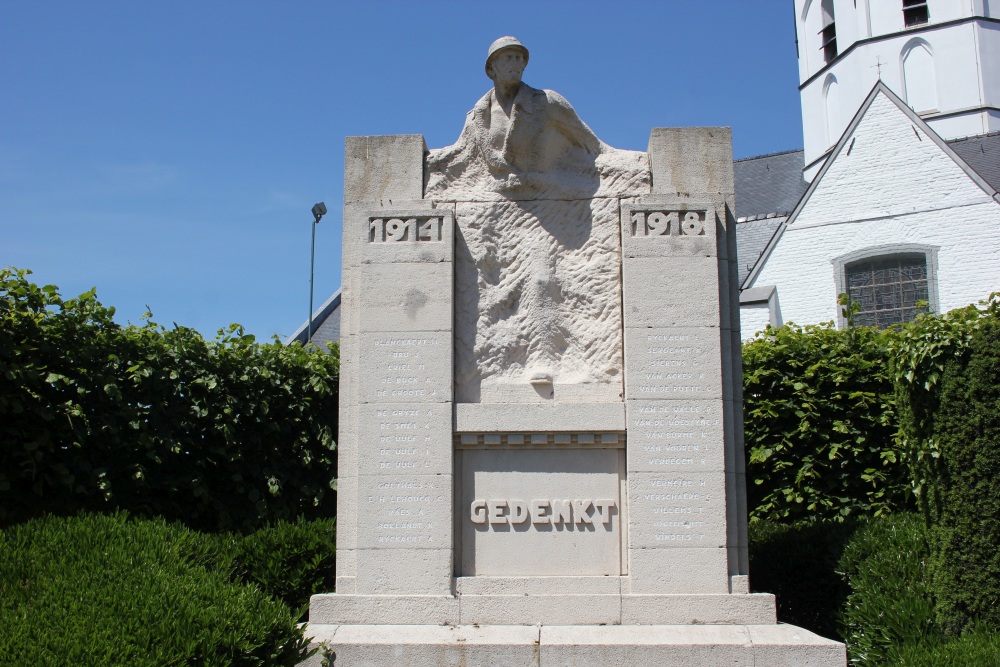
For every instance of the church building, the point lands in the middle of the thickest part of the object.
(893, 199)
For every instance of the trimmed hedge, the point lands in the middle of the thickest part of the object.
(820, 424)
(105, 591)
(967, 532)
(799, 564)
(289, 561)
(976, 649)
(224, 434)
(890, 604)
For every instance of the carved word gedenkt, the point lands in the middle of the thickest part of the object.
(542, 511)
(383, 230)
(668, 223)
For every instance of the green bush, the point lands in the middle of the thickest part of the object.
(918, 355)
(289, 561)
(107, 591)
(890, 603)
(224, 434)
(799, 564)
(820, 424)
(976, 649)
(967, 532)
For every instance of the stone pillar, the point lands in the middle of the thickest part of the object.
(679, 362)
(395, 468)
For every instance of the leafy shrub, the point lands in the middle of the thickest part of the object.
(918, 354)
(819, 420)
(290, 561)
(976, 649)
(967, 532)
(890, 603)
(224, 434)
(107, 591)
(799, 564)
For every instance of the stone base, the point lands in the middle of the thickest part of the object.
(568, 645)
(556, 608)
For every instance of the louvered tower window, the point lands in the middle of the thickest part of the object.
(828, 35)
(915, 12)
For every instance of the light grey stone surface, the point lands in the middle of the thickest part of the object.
(480, 417)
(678, 570)
(417, 235)
(350, 609)
(407, 572)
(406, 297)
(678, 292)
(408, 437)
(404, 511)
(659, 226)
(583, 646)
(673, 362)
(558, 585)
(691, 162)
(383, 169)
(675, 609)
(537, 294)
(678, 509)
(426, 380)
(541, 512)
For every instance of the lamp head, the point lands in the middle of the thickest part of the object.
(319, 210)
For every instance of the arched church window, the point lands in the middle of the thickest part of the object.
(889, 290)
(831, 109)
(919, 76)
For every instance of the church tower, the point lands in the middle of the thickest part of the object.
(942, 57)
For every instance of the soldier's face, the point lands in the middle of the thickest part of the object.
(508, 66)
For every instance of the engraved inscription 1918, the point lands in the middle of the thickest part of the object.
(668, 223)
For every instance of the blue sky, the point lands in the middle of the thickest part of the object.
(169, 153)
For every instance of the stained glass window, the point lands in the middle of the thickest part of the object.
(888, 289)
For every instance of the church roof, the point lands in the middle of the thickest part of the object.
(982, 153)
(768, 184)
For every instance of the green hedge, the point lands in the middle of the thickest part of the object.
(105, 591)
(890, 604)
(967, 530)
(219, 434)
(820, 424)
(289, 561)
(976, 649)
(799, 564)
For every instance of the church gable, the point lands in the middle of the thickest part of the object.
(888, 164)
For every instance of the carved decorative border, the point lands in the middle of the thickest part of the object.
(595, 440)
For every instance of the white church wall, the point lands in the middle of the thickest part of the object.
(988, 38)
(894, 188)
(968, 258)
(753, 319)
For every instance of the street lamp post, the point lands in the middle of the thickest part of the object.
(318, 211)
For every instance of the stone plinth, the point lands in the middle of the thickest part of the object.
(548, 646)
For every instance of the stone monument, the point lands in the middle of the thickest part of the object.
(541, 457)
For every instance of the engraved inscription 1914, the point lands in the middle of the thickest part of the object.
(382, 230)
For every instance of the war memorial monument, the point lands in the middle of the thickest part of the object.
(541, 449)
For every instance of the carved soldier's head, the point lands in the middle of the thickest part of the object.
(506, 60)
